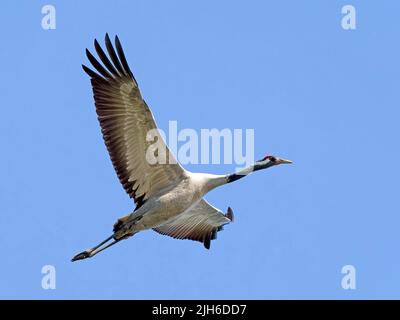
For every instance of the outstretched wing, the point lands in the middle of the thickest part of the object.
(201, 223)
(125, 121)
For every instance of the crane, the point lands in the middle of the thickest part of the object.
(169, 199)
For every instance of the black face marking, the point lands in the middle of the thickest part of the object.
(269, 162)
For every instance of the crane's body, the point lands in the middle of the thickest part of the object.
(165, 206)
(169, 199)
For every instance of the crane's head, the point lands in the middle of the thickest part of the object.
(269, 161)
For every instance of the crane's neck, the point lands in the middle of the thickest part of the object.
(240, 174)
(212, 181)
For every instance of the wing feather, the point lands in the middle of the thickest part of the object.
(125, 120)
(201, 223)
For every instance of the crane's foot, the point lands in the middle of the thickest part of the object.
(83, 255)
(92, 252)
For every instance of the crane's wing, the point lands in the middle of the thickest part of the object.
(126, 121)
(201, 223)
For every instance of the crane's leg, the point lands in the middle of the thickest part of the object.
(95, 250)
(123, 229)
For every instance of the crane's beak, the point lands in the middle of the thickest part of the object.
(283, 161)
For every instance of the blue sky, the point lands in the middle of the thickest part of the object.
(322, 96)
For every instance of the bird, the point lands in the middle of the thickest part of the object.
(169, 199)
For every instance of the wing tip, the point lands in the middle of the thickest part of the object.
(207, 242)
(89, 72)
